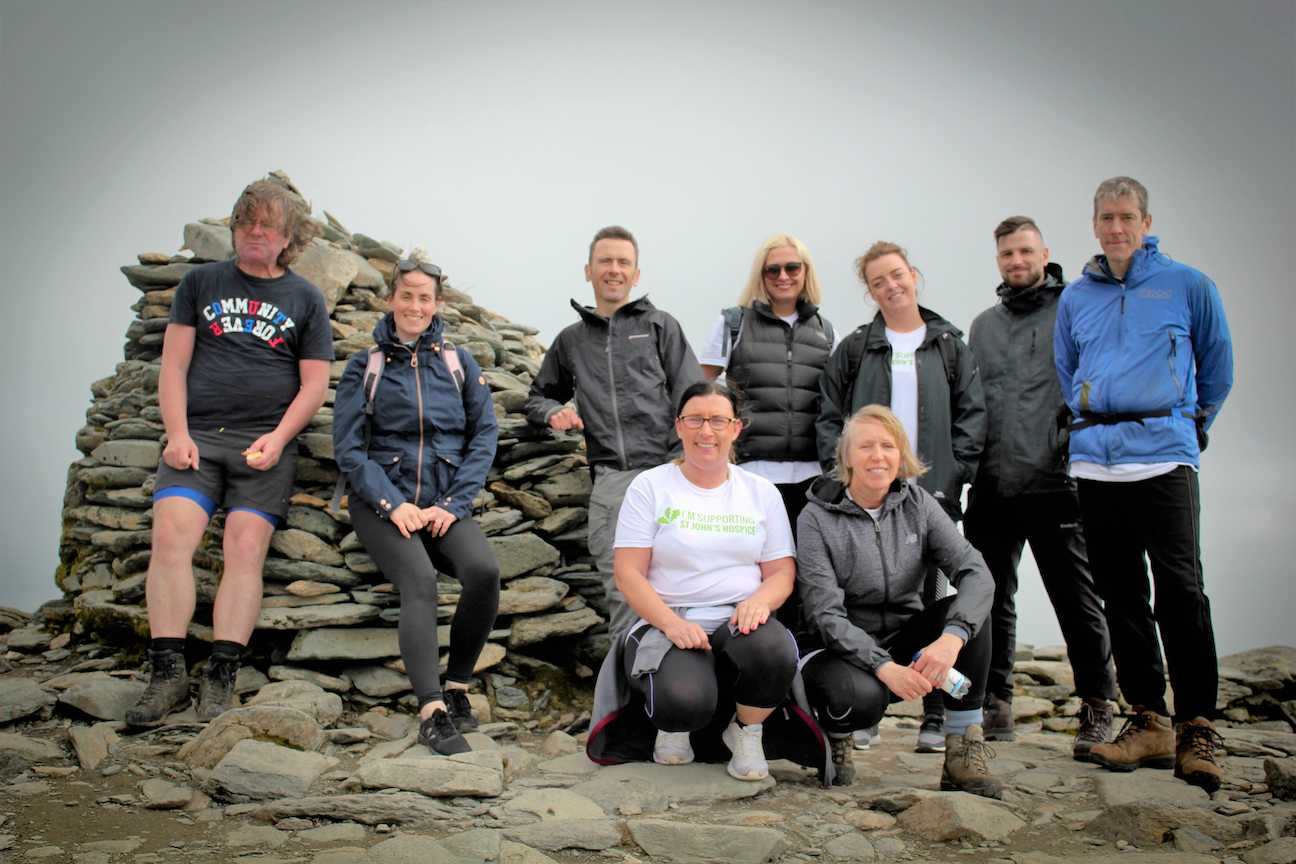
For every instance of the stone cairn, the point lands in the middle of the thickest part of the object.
(327, 613)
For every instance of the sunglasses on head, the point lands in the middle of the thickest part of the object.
(409, 265)
(772, 271)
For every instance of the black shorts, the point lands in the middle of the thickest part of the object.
(224, 480)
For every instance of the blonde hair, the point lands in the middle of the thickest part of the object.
(755, 287)
(910, 465)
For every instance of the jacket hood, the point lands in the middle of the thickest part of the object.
(1145, 261)
(830, 493)
(936, 325)
(635, 307)
(384, 332)
(1028, 299)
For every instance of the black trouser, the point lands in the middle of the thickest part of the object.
(1158, 518)
(412, 565)
(999, 528)
(794, 501)
(847, 697)
(681, 696)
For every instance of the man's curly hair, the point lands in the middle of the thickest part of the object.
(274, 198)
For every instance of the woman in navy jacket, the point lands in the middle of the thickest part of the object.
(414, 467)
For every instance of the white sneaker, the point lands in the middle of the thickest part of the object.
(744, 742)
(672, 748)
(865, 738)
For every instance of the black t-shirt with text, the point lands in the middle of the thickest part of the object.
(251, 332)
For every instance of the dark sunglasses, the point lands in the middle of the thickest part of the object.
(772, 271)
(409, 265)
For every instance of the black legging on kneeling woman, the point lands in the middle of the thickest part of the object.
(847, 697)
(681, 696)
(412, 565)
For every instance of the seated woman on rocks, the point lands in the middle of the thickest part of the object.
(414, 434)
(704, 555)
(865, 544)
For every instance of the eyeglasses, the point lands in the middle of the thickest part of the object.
(772, 271)
(718, 424)
(249, 223)
(408, 265)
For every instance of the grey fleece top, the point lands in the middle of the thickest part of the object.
(861, 579)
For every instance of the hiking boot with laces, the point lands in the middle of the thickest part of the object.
(1145, 741)
(998, 724)
(438, 734)
(1095, 728)
(167, 690)
(672, 748)
(748, 760)
(931, 735)
(967, 765)
(1196, 756)
(843, 767)
(460, 710)
(216, 690)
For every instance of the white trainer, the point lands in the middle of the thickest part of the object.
(672, 748)
(865, 738)
(744, 742)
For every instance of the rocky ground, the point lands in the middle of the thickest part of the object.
(300, 774)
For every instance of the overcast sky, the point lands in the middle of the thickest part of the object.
(502, 135)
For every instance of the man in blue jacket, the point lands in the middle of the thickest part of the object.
(1145, 362)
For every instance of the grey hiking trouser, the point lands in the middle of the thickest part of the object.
(610, 486)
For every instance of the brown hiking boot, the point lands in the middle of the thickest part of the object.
(843, 766)
(1145, 741)
(167, 690)
(1196, 761)
(998, 714)
(1095, 727)
(216, 690)
(967, 765)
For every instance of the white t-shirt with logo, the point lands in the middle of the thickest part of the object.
(904, 378)
(713, 354)
(707, 544)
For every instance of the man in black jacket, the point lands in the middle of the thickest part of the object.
(626, 363)
(1022, 491)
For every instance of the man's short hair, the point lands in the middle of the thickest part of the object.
(274, 197)
(1119, 187)
(614, 232)
(1013, 224)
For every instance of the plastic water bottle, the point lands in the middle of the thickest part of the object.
(956, 683)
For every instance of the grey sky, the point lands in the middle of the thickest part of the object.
(501, 135)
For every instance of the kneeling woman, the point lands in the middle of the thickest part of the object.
(704, 555)
(866, 542)
(414, 467)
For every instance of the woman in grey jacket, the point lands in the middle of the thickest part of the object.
(866, 542)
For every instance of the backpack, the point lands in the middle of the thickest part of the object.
(374, 365)
(733, 318)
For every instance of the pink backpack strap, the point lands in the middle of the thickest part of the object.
(451, 357)
(372, 375)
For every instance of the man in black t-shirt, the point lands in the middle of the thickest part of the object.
(245, 366)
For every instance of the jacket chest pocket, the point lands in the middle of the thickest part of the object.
(641, 360)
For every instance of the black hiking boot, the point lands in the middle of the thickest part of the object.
(843, 763)
(460, 710)
(216, 692)
(167, 690)
(438, 734)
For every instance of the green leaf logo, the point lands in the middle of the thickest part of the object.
(671, 514)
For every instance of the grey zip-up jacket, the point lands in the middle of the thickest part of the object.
(627, 373)
(860, 580)
(1013, 345)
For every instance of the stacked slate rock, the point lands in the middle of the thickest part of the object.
(326, 608)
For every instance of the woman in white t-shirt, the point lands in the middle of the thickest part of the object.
(704, 555)
(773, 347)
(916, 363)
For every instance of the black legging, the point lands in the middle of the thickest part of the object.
(681, 696)
(412, 565)
(847, 697)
